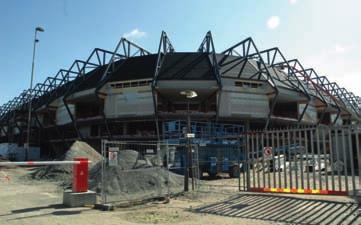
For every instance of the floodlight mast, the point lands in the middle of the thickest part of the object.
(27, 147)
(189, 94)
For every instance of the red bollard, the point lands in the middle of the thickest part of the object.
(80, 175)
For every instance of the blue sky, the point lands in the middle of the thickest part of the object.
(323, 34)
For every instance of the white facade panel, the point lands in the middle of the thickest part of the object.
(134, 101)
(240, 104)
(62, 115)
(310, 114)
(338, 121)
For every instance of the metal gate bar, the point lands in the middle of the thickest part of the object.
(352, 160)
(344, 157)
(307, 162)
(358, 160)
(332, 159)
(325, 153)
(311, 160)
(279, 161)
(338, 160)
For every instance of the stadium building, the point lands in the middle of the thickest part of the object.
(133, 94)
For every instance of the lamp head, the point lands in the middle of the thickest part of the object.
(189, 93)
(40, 29)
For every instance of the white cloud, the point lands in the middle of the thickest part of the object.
(292, 2)
(135, 34)
(273, 22)
(339, 65)
(340, 49)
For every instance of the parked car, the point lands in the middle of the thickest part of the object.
(304, 162)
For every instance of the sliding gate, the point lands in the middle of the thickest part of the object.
(312, 160)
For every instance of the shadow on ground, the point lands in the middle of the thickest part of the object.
(55, 210)
(293, 210)
(31, 209)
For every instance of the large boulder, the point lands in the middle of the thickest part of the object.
(127, 159)
(82, 149)
(63, 173)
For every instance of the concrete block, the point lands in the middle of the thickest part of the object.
(74, 199)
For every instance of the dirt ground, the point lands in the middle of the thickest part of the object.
(37, 202)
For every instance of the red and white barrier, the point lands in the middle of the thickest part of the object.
(40, 163)
(80, 170)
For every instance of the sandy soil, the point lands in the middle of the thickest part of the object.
(38, 202)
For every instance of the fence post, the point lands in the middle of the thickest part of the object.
(248, 175)
(186, 166)
(104, 159)
(239, 163)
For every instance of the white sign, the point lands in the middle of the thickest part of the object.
(190, 135)
(113, 156)
(149, 151)
(267, 152)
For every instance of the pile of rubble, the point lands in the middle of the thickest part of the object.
(63, 173)
(134, 176)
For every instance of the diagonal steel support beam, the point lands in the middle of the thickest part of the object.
(165, 47)
(207, 46)
(247, 50)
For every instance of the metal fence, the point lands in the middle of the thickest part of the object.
(312, 160)
(211, 166)
(221, 164)
(136, 171)
(183, 161)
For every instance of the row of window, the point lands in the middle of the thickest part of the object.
(128, 84)
(247, 84)
(148, 82)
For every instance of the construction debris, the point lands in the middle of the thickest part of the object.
(63, 173)
(141, 183)
(133, 177)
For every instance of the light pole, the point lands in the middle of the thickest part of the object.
(37, 29)
(189, 94)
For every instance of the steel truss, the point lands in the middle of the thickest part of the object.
(97, 58)
(347, 97)
(306, 75)
(276, 61)
(165, 47)
(207, 46)
(65, 78)
(124, 49)
(243, 52)
(328, 89)
(296, 68)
